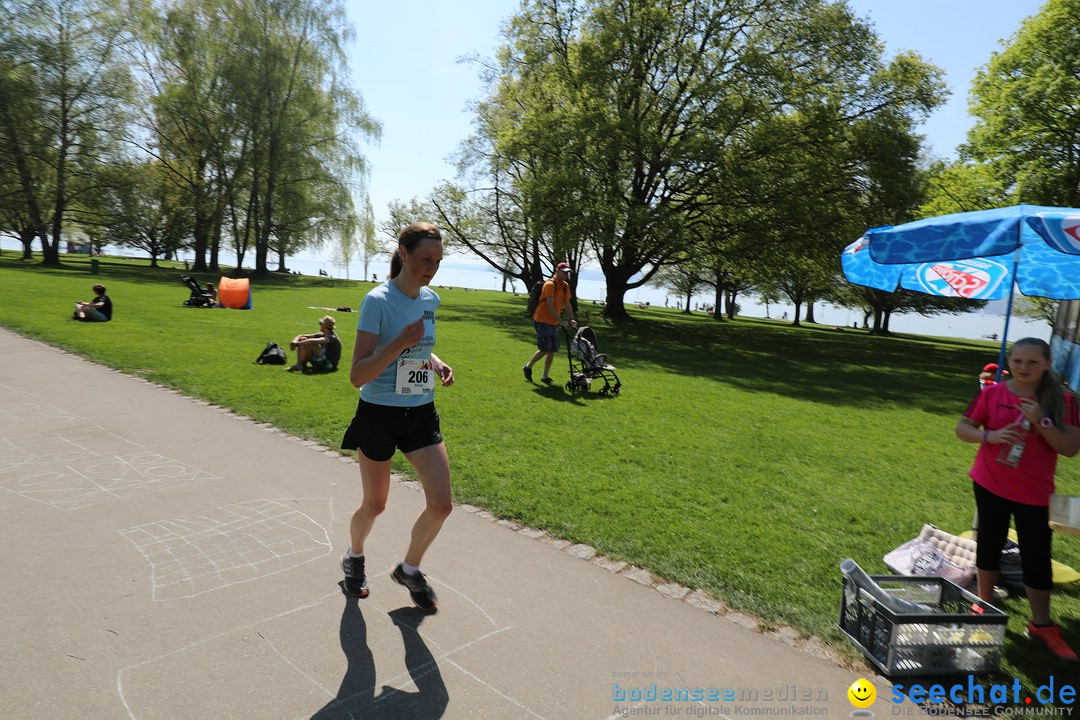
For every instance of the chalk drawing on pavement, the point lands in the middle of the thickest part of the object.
(196, 554)
(82, 465)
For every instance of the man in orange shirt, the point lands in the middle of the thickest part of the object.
(554, 300)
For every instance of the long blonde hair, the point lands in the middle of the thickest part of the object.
(1050, 393)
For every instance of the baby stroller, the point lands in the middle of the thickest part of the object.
(199, 297)
(586, 364)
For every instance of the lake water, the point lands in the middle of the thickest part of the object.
(460, 271)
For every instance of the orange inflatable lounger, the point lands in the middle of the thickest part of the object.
(235, 293)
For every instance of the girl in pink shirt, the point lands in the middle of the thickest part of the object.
(995, 419)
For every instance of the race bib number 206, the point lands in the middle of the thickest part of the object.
(414, 377)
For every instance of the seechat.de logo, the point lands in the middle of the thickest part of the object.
(862, 695)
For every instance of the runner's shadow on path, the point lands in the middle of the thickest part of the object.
(356, 698)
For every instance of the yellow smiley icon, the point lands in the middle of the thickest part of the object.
(861, 693)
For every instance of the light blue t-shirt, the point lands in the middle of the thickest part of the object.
(385, 312)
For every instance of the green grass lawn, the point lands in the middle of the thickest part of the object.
(745, 458)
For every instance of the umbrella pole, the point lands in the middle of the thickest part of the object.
(1008, 315)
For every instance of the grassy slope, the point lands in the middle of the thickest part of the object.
(745, 457)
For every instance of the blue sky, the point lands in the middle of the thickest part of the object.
(405, 65)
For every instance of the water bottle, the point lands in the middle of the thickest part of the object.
(1010, 454)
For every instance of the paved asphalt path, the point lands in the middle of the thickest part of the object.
(167, 559)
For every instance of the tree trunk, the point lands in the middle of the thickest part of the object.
(730, 305)
(689, 295)
(219, 220)
(718, 298)
(795, 315)
(215, 246)
(876, 330)
(810, 312)
(26, 183)
(262, 240)
(615, 310)
(261, 252)
(26, 237)
(50, 251)
(201, 230)
(885, 322)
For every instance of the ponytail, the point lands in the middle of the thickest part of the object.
(1051, 397)
(409, 237)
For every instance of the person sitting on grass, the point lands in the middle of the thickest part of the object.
(321, 350)
(211, 293)
(97, 310)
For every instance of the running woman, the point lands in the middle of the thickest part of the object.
(395, 369)
(1005, 487)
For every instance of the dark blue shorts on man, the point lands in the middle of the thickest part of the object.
(547, 337)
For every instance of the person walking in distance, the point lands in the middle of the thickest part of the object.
(554, 300)
(395, 369)
(1021, 426)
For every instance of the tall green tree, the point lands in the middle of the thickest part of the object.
(254, 113)
(63, 91)
(190, 124)
(682, 279)
(367, 237)
(626, 123)
(24, 163)
(143, 208)
(304, 116)
(1027, 116)
(503, 210)
(953, 187)
(1037, 308)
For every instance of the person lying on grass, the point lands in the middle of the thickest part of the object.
(321, 351)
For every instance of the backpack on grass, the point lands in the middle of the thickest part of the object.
(534, 296)
(272, 354)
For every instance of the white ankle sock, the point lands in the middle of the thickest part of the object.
(410, 569)
(354, 555)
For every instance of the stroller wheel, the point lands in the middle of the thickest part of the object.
(615, 390)
(571, 386)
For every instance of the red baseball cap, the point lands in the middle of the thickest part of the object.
(990, 367)
(563, 266)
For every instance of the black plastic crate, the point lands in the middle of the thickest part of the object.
(950, 637)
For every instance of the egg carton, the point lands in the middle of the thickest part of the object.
(957, 632)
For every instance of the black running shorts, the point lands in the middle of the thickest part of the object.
(379, 430)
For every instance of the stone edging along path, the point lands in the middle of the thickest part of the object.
(694, 597)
